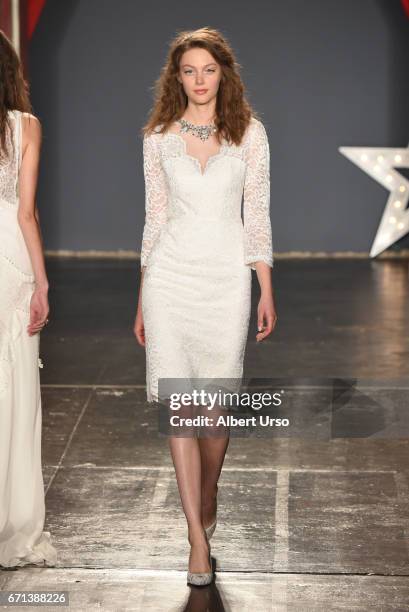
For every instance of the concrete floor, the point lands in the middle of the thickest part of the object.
(305, 523)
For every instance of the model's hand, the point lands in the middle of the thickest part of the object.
(266, 317)
(39, 310)
(139, 329)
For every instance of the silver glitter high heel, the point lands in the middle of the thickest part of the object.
(201, 578)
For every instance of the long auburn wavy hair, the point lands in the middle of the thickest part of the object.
(233, 111)
(14, 89)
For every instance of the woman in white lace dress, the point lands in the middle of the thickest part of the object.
(23, 314)
(204, 149)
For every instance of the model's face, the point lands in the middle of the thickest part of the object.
(200, 75)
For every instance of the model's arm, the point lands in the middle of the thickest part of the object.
(28, 219)
(257, 225)
(156, 195)
(156, 204)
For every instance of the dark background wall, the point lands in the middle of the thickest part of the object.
(321, 74)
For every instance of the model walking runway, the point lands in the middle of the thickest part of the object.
(23, 313)
(197, 286)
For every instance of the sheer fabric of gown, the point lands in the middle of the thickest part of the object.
(198, 252)
(22, 503)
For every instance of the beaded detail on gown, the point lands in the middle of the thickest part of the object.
(22, 505)
(199, 252)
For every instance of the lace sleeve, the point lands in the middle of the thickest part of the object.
(156, 195)
(256, 204)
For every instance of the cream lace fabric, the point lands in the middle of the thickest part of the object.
(199, 252)
(254, 152)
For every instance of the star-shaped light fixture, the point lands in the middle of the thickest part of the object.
(380, 164)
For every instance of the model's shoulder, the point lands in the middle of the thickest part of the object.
(30, 121)
(255, 131)
(29, 116)
(26, 117)
(255, 121)
(256, 126)
(31, 125)
(152, 138)
(155, 132)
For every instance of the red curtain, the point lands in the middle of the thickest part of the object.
(5, 17)
(30, 11)
(34, 9)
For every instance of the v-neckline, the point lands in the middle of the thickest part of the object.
(202, 170)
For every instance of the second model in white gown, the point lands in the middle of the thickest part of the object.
(199, 251)
(22, 506)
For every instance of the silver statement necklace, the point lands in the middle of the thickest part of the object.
(201, 131)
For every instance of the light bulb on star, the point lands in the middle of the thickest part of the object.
(381, 164)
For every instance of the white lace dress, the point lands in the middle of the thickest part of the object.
(22, 506)
(198, 253)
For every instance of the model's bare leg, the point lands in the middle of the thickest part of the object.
(213, 449)
(187, 462)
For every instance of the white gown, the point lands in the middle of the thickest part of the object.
(198, 253)
(22, 504)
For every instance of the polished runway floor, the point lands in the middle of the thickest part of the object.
(305, 523)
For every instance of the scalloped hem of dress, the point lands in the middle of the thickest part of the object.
(42, 553)
(151, 398)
